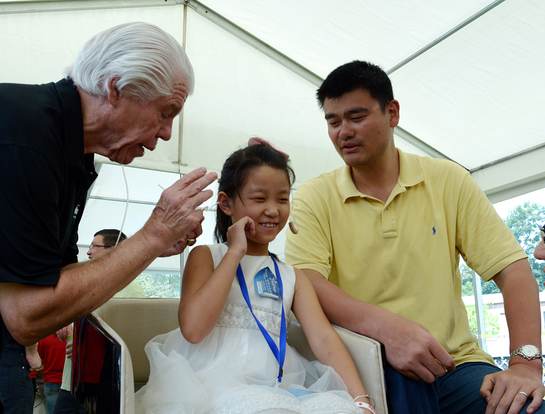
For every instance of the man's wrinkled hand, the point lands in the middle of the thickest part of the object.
(180, 246)
(175, 218)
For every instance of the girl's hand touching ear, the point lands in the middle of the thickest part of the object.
(238, 232)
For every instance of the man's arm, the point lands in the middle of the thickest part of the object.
(522, 311)
(33, 312)
(410, 347)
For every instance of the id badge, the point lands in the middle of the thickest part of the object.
(266, 285)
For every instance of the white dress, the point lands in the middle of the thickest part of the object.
(233, 370)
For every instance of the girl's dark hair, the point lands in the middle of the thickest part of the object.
(236, 170)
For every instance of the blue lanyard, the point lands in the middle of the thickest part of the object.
(280, 354)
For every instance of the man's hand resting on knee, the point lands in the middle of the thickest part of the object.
(505, 391)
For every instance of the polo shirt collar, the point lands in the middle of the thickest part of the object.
(410, 174)
(73, 132)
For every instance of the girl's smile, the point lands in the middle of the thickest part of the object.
(264, 198)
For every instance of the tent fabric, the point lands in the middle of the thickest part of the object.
(467, 75)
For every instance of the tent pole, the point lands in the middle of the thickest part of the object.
(445, 36)
(253, 41)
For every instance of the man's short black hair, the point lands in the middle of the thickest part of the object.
(110, 236)
(357, 75)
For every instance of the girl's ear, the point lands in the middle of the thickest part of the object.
(224, 203)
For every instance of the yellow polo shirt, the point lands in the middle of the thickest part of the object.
(403, 255)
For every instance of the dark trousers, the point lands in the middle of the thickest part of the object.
(16, 387)
(454, 393)
(67, 404)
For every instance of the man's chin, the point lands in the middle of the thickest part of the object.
(123, 159)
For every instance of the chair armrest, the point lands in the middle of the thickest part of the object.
(366, 353)
(138, 320)
(126, 390)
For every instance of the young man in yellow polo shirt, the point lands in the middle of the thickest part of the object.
(380, 239)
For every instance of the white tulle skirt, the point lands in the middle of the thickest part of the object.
(234, 371)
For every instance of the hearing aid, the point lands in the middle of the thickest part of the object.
(294, 227)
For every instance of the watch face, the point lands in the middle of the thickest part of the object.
(530, 351)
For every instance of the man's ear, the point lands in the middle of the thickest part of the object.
(224, 203)
(114, 95)
(393, 110)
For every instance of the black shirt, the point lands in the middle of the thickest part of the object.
(44, 179)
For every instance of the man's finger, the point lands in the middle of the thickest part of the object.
(197, 231)
(195, 181)
(497, 393)
(425, 374)
(189, 178)
(200, 198)
(436, 367)
(537, 399)
(443, 358)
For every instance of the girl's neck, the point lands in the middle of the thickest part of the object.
(255, 249)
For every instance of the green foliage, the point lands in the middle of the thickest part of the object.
(158, 285)
(491, 320)
(467, 280)
(524, 220)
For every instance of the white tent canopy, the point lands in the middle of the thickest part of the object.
(467, 74)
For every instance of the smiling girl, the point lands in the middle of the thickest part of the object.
(230, 354)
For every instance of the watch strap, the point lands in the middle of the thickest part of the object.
(519, 352)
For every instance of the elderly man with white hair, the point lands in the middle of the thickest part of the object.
(118, 99)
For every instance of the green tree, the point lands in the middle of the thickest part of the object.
(158, 285)
(490, 287)
(491, 320)
(467, 280)
(524, 220)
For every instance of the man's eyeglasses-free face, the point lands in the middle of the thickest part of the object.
(542, 230)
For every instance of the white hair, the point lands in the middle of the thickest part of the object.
(146, 61)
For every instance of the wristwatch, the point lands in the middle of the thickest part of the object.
(528, 351)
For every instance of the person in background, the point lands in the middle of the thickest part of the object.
(40, 406)
(103, 241)
(381, 238)
(118, 99)
(539, 252)
(52, 350)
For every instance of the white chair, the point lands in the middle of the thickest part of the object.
(135, 321)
